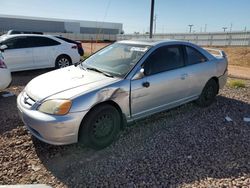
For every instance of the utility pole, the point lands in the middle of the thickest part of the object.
(155, 23)
(190, 27)
(224, 29)
(151, 18)
(231, 27)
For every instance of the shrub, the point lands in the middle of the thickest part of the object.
(237, 84)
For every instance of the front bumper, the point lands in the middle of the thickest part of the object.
(52, 129)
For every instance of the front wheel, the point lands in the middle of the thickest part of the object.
(101, 127)
(208, 94)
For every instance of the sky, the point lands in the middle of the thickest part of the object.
(171, 15)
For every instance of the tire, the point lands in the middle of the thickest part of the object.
(100, 128)
(208, 94)
(63, 61)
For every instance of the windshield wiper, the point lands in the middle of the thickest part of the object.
(97, 70)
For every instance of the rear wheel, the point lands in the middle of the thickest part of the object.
(208, 94)
(101, 127)
(63, 61)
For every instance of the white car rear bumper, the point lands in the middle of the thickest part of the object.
(5, 78)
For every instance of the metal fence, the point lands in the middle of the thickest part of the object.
(202, 39)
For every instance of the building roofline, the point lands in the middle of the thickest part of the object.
(53, 19)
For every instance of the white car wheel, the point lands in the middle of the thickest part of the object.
(62, 62)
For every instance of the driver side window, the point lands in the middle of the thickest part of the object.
(164, 59)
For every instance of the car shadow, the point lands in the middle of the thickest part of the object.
(176, 147)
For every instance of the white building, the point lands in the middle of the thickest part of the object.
(64, 26)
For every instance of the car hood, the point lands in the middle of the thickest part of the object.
(69, 78)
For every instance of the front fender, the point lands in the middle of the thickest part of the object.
(117, 92)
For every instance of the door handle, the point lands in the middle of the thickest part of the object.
(146, 84)
(183, 76)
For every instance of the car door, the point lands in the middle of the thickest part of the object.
(19, 53)
(44, 50)
(164, 84)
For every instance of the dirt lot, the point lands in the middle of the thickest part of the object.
(239, 56)
(184, 147)
(91, 48)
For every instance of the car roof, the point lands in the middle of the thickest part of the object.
(153, 42)
(28, 35)
(159, 42)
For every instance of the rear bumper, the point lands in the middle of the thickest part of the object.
(5, 78)
(223, 80)
(75, 58)
(55, 130)
(81, 51)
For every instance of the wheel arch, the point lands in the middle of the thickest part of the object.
(217, 82)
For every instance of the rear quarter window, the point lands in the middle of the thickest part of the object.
(194, 56)
(43, 41)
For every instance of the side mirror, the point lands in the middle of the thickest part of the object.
(140, 74)
(3, 47)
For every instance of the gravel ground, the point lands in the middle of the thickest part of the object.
(184, 147)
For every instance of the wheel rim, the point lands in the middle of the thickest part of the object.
(103, 126)
(63, 62)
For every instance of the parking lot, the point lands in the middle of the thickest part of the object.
(184, 147)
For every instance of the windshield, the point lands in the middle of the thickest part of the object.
(116, 59)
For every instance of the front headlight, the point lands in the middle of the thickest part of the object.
(56, 107)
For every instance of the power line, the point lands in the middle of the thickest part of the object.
(155, 23)
(105, 15)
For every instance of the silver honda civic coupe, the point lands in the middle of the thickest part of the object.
(125, 81)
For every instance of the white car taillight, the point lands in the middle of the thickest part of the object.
(2, 64)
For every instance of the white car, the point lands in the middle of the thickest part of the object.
(33, 51)
(5, 76)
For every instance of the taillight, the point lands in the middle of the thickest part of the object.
(74, 47)
(79, 45)
(2, 64)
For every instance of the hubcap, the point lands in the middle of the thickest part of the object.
(63, 62)
(103, 126)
